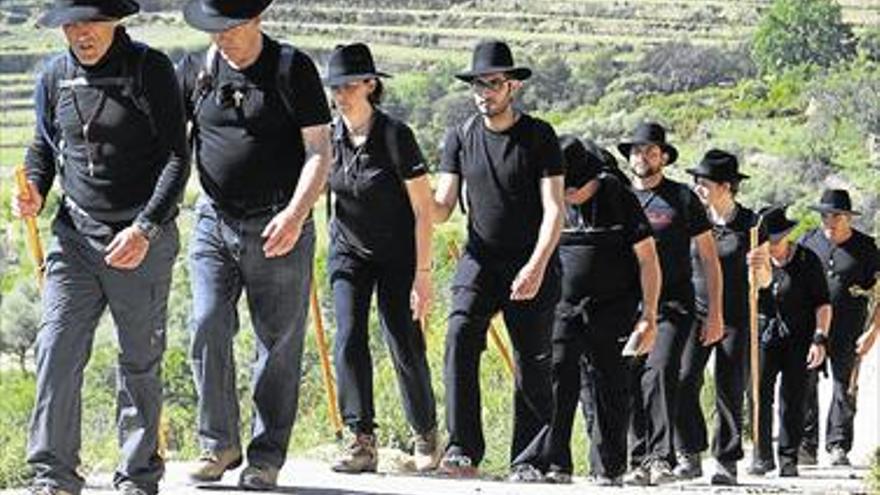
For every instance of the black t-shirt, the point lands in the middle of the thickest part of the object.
(856, 262)
(502, 172)
(249, 149)
(676, 216)
(596, 246)
(732, 242)
(372, 213)
(797, 289)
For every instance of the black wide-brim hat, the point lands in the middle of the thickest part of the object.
(835, 201)
(718, 166)
(583, 160)
(649, 133)
(492, 57)
(215, 16)
(70, 11)
(352, 62)
(775, 223)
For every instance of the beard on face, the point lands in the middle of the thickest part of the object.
(643, 170)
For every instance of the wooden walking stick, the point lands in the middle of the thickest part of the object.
(493, 331)
(33, 233)
(321, 340)
(753, 344)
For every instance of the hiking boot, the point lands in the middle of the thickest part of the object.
(760, 467)
(360, 456)
(426, 451)
(660, 472)
(556, 476)
(258, 478)
(130, 488)
(839, 457)
(788, 470)
(725, 473)
(807, 456)
(525, 473)
(457, 466)
(213, 464)
(639, 476)
(689, 467)
(603, 480)
(47, 490)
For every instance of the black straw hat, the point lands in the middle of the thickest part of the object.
(835, 201)
(649, 133)
(775, 223)
(351, 63)
(583, 160)
(215, 16)
(718, 166)
(70, 11)
(491, 57)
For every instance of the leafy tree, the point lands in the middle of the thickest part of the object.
(20, 320)
(796, 32)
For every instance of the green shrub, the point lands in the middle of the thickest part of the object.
(17, 390)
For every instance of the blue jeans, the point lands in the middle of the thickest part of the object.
(79, 286)
(226, 256)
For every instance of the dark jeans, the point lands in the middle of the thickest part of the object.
(654, 400)
(226, 256)
(479, 290)
(730, 375)
(354, 279)
(78, 287)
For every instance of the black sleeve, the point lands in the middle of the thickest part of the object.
(40, 155)
(163, 94)
(309, 100)
(186, 70)
(548, 153)
(698, 222)
(872, 263)
(450, 152)
(411, 163)
(817, 285)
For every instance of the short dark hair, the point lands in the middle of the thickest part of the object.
(375, 96)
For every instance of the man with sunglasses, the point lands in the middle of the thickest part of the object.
(259, 121)
(507, 168)
(851, 262)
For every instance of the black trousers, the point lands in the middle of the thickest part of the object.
(654, 400)
(841, 354)
(730, 380)
(353, 280)
(479, 290)
(787, 359)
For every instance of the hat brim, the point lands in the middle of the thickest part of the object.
(831, 209)
(85, 13)
(347, 78)
(625, 147)
(782, 233)
(518, 73)
(696, 172)
(210, 22)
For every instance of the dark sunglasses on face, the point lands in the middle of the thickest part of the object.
(478, 84)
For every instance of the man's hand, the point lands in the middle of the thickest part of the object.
(127, 249)
(647, 327)
(865, 342)
(27, 203)
(281, 234)
(816, 356)
(527, 282)
(421, 295)
(712, 332)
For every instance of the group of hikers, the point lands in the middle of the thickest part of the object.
(614, 288)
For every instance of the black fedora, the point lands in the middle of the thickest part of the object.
(583, 160)
(649, 133)
(351, 63)
(835, 201)
(215, 16)
(718, 166)
(776, 224)
(70, 11)
(490, 57)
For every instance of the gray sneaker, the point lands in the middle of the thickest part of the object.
(602, 480)
(689, 467)
(130, 488)
(725, 474)
(639, 476)
(360, 456)
(839, 457)
(426, 451)
(556, 476)
(47, 490)
(525, 473)
(807, 457)
(660, 472)
(258, 478)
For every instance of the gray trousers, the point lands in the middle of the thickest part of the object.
(79, 286)
(226, 257)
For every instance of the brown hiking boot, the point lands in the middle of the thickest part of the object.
(426, 451)
(212, 465)
(360, 456)
(258, 478)
(457, 466)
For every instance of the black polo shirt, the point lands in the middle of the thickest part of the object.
(249, 150)
(596, 246)
(732, 243)
(797, 289)
(676, 216)
(502, 172)
(372, 213)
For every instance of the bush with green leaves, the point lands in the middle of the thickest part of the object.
(20, 320)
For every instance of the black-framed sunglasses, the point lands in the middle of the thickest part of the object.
(478, 84)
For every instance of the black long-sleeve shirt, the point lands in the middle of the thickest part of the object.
(138, 171)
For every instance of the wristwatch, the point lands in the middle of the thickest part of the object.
(150, 230)
(820, 338)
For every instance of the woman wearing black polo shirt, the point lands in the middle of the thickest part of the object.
(794, 317)
(380, 238)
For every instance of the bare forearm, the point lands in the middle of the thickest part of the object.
(313, 176)
(823, 318)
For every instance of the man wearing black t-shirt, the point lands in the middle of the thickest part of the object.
(510, 168)
(262, 148)
(677, 217)
(852, 263)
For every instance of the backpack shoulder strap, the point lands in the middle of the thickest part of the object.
(283, 81)
(46, 98)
